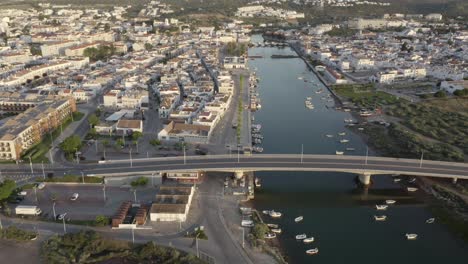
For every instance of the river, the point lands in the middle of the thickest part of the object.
(339, 216)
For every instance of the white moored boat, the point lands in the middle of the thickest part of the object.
(430, 220)
(381, 206)
(301, 236)
(411, 189)
(396, 180)
(411, 236)
(275, 214)
(342, 133)
(267, 212)
(270, 235)
(312, 251)
(344, 141)
(298, 219)
(329, 136)
(309, 240)
(272, 225)
(380, 217)
(390, 201)
(339, 152)
(276, 230)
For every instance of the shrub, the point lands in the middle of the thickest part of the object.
(142, 181)
(15, 233)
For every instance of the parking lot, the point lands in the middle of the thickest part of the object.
(90, 202)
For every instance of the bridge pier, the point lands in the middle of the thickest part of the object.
(365, 179)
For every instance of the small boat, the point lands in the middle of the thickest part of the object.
(300, 78)
(257, 183)
(329, 136)
(390, 201)
(342, 133)
(267, 212)
(344, 140)
(270, 235)
(380, 217)
(346, 109)
(275, 214)
(272, 225)
(411, 236)
(276, 230)
(309, 98)
(350, 149)
(381, 206)
(308, 240)
(298, 219)
(412, 180)
(339, 152)
(430, 220)
(396, 180)
(301, 236)
(411, 189)
(365, 113)
(312, 251)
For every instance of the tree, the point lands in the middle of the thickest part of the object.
(6, 188)
(120, 142)
(148, 46)
(155, 142)
(440, 94)
(101, 220)
(259, 230)
(461, 93)
(142, 181)
(71, 144)
(136, 135)
(93, 120)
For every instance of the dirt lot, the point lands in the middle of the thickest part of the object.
(16, 252)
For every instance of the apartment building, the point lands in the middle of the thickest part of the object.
(28, 128)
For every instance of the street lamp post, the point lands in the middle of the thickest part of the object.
(82, 176)
(196, 243)
(35, 193)
(64, 225)
(302, 153)
(43, 172)
(238, 154)
(53, 210)
(30, 164)
(77, 158)
(104, 192)
(131, 161)
(420, 162)
(367, 153)
(133, 235)
(51, 157)
(243, 238)
(185, 158)
(134, 195)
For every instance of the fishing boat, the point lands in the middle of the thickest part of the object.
(276, 230)
(342, 133)
(319, 91)
(396, 180)
(346, 109)
(301, 236)
(430, 220)
(390, 201)
(381, 206)
(272, 225)
(300, 78)
(344, 140)
(411, 189)
(412, 180)
(270, 235)
(329, 136)
(310, 106)
(380, 217)
(365, 113)
(339, 152)
(350, 149)
(257, 149)
(275, 214)
(312, 251)
(308, 240)
(411, 236)
(298, 219)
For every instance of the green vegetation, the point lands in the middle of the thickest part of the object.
(77, 116)
(240, 109)
(396, 141)
(260, 230)
(100, 53)
(142, 181)
(72, 178)
(342, 32)
(236, 49)
(136, 135)
(198, 233)
(120, 142)
(444, 126)
(440, 94)
(71, 145)
(365, 95)
(14, 233)
(180, 146)
(93, 120)
(155, 142)
(6, 188)
(102, 220)
(461, 93)
(91, 247)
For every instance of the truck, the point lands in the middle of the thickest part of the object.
(27, 210)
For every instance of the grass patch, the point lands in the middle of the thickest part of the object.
(239, 110)
(91, 247)
(72, 178)
(14, 233)
(365, 95)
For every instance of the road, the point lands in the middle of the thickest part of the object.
(260, 162)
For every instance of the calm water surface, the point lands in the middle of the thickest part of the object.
(335, 213)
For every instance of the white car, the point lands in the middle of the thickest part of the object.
(41, 186)
(74, 197)
(61, 216)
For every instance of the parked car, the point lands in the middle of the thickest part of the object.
(61, 216)
(74, 197)
(41, 186)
